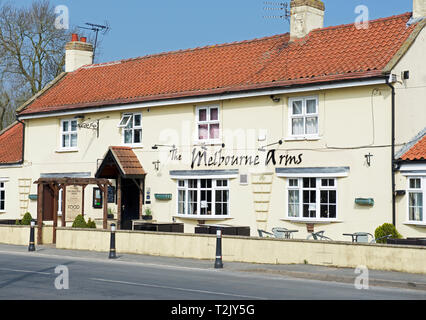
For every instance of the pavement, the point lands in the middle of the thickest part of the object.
(378, 278)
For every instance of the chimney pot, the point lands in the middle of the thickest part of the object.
(74, 37)
(83, 39)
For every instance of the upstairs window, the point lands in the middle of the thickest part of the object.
(131, 124)
(2, 197)
(208, 124)
(68, 134)
(416, 198)
(303, 117)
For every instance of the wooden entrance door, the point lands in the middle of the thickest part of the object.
(48, 199)
(129, 203)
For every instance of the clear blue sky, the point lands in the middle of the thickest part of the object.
(141, 27)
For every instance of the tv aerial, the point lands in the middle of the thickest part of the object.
(282, 6)
(97, 28)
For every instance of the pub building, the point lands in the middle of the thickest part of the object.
(308, 130)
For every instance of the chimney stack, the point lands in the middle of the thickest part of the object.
(419, 9)
(306, 15)
(77, 53)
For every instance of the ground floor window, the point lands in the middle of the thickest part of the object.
(416, 197)
(2, 197)
(312, 198)
(200, 197)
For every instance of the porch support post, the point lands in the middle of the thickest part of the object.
(83, 187)
(119, 202)
(55, 210)
(39, 212)
(105, 206)
(140, 198)
(64, 192)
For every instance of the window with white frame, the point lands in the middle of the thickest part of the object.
(303, 117)
(416, 199)
(203, 197)
(312, 198)
(2, 196)
(208, 123)
(131, 124)
(69, 134)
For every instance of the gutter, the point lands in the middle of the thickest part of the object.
(148, 102)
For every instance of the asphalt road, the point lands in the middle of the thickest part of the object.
(32, 277)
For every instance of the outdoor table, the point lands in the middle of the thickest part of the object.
(289, 233)
(353, 235)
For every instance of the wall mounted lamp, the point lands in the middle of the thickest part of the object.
(204, 145)
(156, 165)
(263, 149)
(275, 99)
(156, 146)
(368, 158)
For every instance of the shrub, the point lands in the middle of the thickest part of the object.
(148, 212)
(384, 230)
(26, 220)
(91, 224)
(79, 222)
(17, 222)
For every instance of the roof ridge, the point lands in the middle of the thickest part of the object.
(394, 17)
(407, 147)
(225, 44)
(9, 127)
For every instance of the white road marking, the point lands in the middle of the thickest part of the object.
(180, 289)
(25, 271)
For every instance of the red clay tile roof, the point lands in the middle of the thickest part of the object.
(417, 152)
(11, 144)
(328, 54)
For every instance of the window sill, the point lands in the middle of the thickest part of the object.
(203, 217)
(133, 146)
(66, 150)
(303, 138)
(416, 223)
(207, 143)
(316, 221)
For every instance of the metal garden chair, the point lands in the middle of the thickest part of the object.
(319, 236)
(264, 234)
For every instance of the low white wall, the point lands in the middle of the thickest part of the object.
(20, 235)
(253, 250)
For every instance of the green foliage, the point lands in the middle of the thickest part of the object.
(17, 222)
(91, 224)
(26, 220)
(384, 230)
(148, 212)
(79, 222)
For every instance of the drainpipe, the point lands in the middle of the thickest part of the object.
(393, 152)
